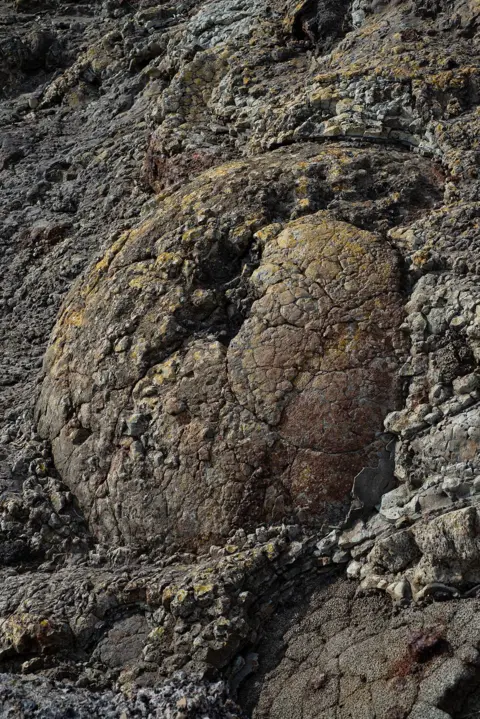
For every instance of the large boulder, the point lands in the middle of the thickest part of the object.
(224, 364)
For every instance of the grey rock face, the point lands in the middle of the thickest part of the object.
(251, 230)
(190, 697)
(351, 657)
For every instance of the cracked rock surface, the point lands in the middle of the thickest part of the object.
(211, 432)
(239, 386)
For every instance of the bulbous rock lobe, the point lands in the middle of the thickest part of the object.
(217, 369)
(316, 358)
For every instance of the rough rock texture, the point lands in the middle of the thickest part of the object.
(189, 697)
(136, 621)
(162, 423)
(247, 232)
(344, 657)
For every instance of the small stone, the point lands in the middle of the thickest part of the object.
(371, 581)
(137, 425)
(393, 502)
(412, 507)
(400, 591)
(458, 321)
(467, 384)
(433, 499)
(434, 416)
(438, 394)
(437, 590)
(455, 487)
(395, 552)
(326, 545)
(137, 451)
(353, 570)
(324, 561)
(376, 526)
(204, 453)
(261, 535)
(294, 532)
(360, 550)
(355, 535)
(174, 406)
(122, 345)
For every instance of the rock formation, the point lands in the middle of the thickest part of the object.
(239, 387)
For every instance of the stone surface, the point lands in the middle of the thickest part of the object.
(247, 232)
(243, 429)
(187, 697)
(344, 657)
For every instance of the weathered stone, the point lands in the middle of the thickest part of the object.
(353, 570)
(356, 535)
(229, 360)
(466, 384)
(449, 545)
(393, 502)
(456, 487)
(400, 591)
(182, 696)
(372, 483)
(326, 545)
(395, 552)
(433, 499)
(274, 390)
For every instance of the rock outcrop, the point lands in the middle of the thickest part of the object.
(240, 238)
(224, 365)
